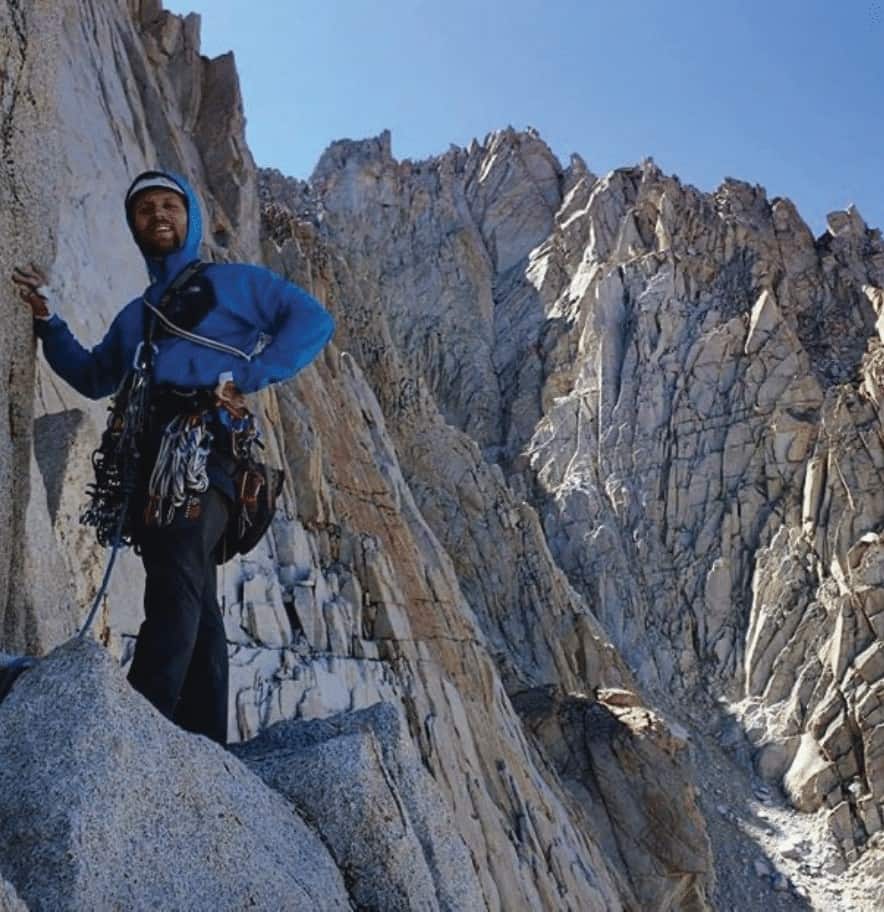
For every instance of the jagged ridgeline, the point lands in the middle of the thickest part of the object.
(582, 529)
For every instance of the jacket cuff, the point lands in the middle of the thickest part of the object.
(43, 326)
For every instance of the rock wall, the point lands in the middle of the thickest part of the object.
(131, 91)
(29, 167)
(686, 388)
(378, 615)
(588, 457)
(359, 596)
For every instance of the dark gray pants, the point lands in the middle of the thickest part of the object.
(180, 661)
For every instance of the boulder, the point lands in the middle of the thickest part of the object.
(105, 804)
(9, 899)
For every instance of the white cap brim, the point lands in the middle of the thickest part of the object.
(154, 183)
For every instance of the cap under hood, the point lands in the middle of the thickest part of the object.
(164, 268)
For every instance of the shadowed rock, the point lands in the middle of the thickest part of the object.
(629, 770)
(55, 439)
(359, 778)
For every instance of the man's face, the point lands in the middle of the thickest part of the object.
(159, 220)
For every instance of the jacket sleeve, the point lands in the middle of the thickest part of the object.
(96, 373)
(299, 326)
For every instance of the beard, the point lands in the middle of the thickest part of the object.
(160, 247)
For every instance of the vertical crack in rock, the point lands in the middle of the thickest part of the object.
(29, 605)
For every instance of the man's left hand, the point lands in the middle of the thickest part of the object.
(231, 398)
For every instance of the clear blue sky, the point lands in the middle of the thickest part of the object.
(785, 93)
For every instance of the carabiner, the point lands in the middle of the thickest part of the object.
(137, 363)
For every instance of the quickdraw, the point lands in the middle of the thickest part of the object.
(116, 461)
(180, 469)
(244, 439)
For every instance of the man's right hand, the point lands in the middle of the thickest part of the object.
(32, 289)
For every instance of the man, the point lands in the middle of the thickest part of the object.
(264, 330)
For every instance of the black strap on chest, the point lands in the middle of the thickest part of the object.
(170, 300)
(187, 300)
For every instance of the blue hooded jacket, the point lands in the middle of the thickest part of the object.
(251, 304)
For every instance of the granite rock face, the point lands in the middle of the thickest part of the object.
(514, 600)
(623, 764)
(105, 804)
(684, 386)
(587, 455)
(354, 598)
(345, 773)
(132, 73)
(29, 60)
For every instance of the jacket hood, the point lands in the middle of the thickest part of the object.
(163, 269)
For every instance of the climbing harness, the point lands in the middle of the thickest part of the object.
(177, 470)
